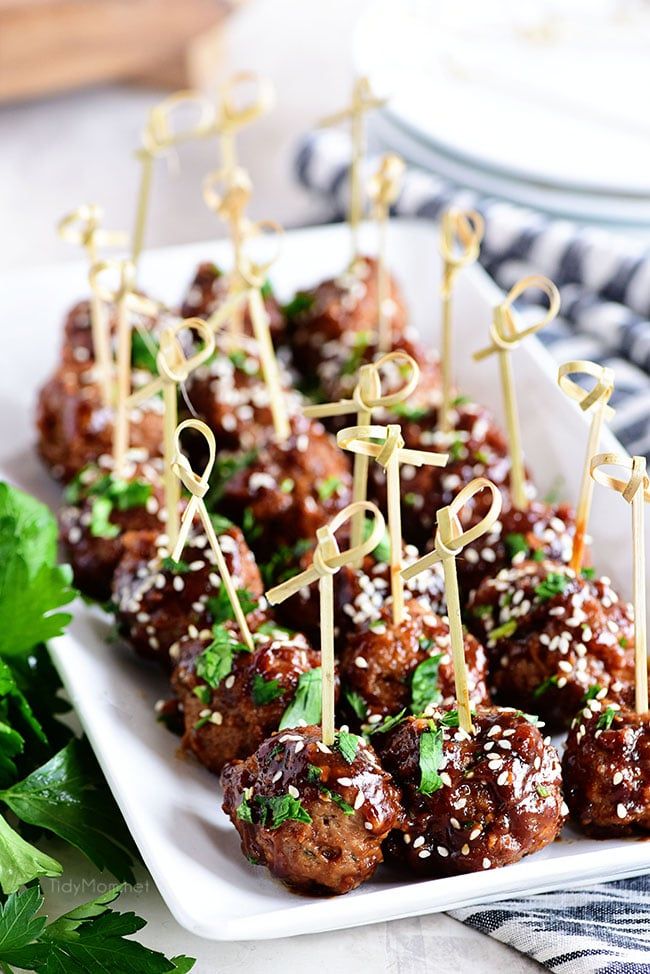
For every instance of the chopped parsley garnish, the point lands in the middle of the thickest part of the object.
(175, 567)
(244, 813)
(352, 365)
(100, 525)
(424, 684)
(481, 456)
(606, 719)
(356, 702)
(215, 662)
(265, 691)
(542, 688)
(481, 611)
(623, 642)
(461, 401)
(407, 411)
(283, 563)
(275, 630)
(410, 498)
(382, 552)
(306, 704)
(328, 487)
(516, 544)
(220, 608)
(539, 555)
(107, 493)
(287, 485)
(202, 693)
(347, 745)
(278, 809)
(430, 759)
(588, 573)
(554, 584)
(543, 791)
(592, 693)
(389, 723)
(452, 719)
(314, 777)
(144, 350)
(503, 631)
(456, 450)
(301, 302)
(252, 530)
(266, 289)
(224, 469)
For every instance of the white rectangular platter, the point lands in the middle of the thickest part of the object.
(171, 805)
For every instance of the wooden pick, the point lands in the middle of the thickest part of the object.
(390, 454)
(363, 101)
(227, 193)
(126, 300)
(635, 489)
(159, 136)
(83, 228)
(174, 368)
(383, 190)
(367, 398)
(594, 402)
(460, 244)
(198, 486)
(244, 98)
(506, 336)
(449, 542)
(327, 560)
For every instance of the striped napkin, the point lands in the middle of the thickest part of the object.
(604, 279)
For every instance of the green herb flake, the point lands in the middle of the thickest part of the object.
(543, 791)
(306, 704)
(220, 608)
(175, 567)
(430, 759)
(244, 812)
(382, 552)
(405, 410)
(516, 544)
(554, 584)
(347, 745)
(301, 303)
(100, 525)
(356, 702)
(503, 631)
(482, 611)
(546, 685)
(461, 401)
(606, 719)
(482, 457)
(328, 487)
(592, 693)
(588, 573)
(265, 691)
(203, 694)
(215, 662)
(623, 642)
(457, 450)
(144, 351)
(389, 723)
(278, 809)
(424, 684)
(287, 485)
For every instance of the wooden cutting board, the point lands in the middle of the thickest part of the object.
(48, 46)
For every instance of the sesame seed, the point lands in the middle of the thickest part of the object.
(216, 718)
(446, 780)
(346, 782)
(442, 852)
(276, 777)
(229, 681)
(474, 834)
(486, 863)
(358, 801)
(618, 777)
(367, 825)
(299, 746)
(465, 850)
(361, 662)
(621, 810)
(424, 854)
(503, 777)
(418, 842)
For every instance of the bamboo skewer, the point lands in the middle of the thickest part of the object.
(390, 454)
(227, 193)
(506, 336)
(383, 190)
(327, 560)
(83, 227)
(635, 489)
(595, 403)
(198, 488)
(450, 540)
(363, 101)
(236, 112)
(460, 244)
(367, 398)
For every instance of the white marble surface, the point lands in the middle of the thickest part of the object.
(61, 152)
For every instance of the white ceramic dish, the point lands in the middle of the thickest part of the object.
(171, 804)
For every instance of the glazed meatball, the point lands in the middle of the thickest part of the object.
(541, 531)
(386, 668)
(227, 715)
(476, 447)
(605, 767)
(230, 394)
(473, 802)
(337, 318)
(99, 510)
(315, 816)
(75, 428)
(359, 593)
(552, 635)
(209, 290)
(158, 602)
(289, 491)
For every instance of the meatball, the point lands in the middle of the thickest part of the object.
(289, 491)
(473, 802)
(541, 531)
(340, 312)
(359, 593)
(75, 429)
(476, 447)
(227, 715)
(158, 602)
(552, 635)
(209, 289)
(230, 394)
(100, 509)
(78, 346)
(605, 767)
(386, 668)
(315, 816)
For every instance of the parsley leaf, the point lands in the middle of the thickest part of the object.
(100, 525)
(430, 759)
(280, 809)
(356, 702)
(408, 411)
(283, 563)
(215, 662)
(175, 567)
(220, 608)
(382, 552)
(265, 691)
(306, 704)
(554, 584)
(388, 723)
(347, 745)
(303, 301)
(503, 631)
(544, 686)
(21, 862)
(328, 487)
(588, 573)
(424, 684)
(355, 360)
(224, 469)
(606, 719)
(515, 544)
(144, 350)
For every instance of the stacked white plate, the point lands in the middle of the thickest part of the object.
(540, 104)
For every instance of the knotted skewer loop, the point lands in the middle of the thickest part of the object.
(449, 541)
(326, 562)
(505, 337)
(383, 190)
(363, 101)
(243, 99)
(390, 454)
(197, 485)
(460, 244)
(161, 133)
(594, 401)
(367, 398)
(635, 489)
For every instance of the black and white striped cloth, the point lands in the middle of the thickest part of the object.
(604, 279)
(605, 287)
